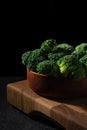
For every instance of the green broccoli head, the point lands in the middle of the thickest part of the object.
(79, 53)
(49, 45)
(48, 67)
(35, 57)
(82, 46)
(83, 60)
(71, 67)
(65, 47)
(25, 57)
(55, 56)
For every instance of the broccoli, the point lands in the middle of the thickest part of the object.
(62, 50)
(48, 67)
(71, 68)
(82, 46)
(35, 57)
(55, 56)
(79, 53)
(58, 60)
(83, 60)
(25, 57)
(80, 50)
(65, 47)
(49, 45)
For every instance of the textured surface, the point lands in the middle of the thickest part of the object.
(14, 119)
(71, 114)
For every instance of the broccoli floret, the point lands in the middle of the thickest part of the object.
(83, 60)
(71, 67)
(35, 57)
(82, 46)
(48, 67)
(25, 57)
(65, 47)
(79, 53)
(80, 50)
(49, 45)
(55, 56)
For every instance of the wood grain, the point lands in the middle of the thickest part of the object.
(71, 114)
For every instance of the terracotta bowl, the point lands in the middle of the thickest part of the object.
(52, 87)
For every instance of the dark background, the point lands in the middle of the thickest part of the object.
(24, 26)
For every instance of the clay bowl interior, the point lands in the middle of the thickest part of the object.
(52, 87)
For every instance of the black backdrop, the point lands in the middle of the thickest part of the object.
(26, 25)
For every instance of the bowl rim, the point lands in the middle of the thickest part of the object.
(43, 75)
(37, 73)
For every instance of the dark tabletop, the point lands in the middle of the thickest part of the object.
(13, 119)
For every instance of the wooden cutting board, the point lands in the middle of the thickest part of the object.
(71, 114)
